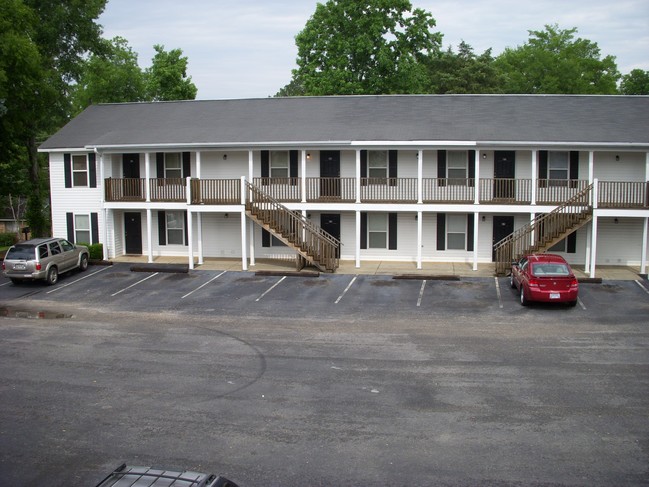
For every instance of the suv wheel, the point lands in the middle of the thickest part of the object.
(83, 263)
(52, 276)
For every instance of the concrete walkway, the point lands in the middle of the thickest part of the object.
(381, 267)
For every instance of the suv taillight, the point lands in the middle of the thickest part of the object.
(38, 266)
(3, 266)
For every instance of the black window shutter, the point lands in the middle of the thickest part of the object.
(293, 163)
(186, 230)
(363, 230)
(94, 225)
(393, 157)
(472, 168)
(160, 164)
(70, 220)
(543, 167)
(392, 231)
(265, 238)
(187, 165)
(92, 170)
(364, 167)
(441, 168)
(470, 219)
(574, 168)
(571, 244)
(441, 231)
(265, 164)
(67, 168)
(162, 228)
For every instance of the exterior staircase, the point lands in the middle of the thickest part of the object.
(544, 230)
(313, 245)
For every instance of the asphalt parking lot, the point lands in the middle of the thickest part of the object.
(329, 380)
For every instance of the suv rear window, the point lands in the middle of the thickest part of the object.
(21, 252)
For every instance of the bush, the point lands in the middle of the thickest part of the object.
(7, 239)
(96, 251)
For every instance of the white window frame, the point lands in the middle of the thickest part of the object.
(455, 223)
(80, 228)
(279, 164)
(169, 167)
(556, 162)
(377, 164)
(457, 160)
(174, 230)
(77, 171)
(377, 225)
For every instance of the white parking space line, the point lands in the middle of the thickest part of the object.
(500, 300)
(583, 306)
(58, 288)
(203, 285)
(138, 282)
(346, 289)
(271, 288)
(8, 282)
(421, 292)
(641, 286)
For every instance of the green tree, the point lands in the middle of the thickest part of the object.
(464, 72)
(167, 77)
(364, 47)
(635, 83)
(112, 76)
(553, 61)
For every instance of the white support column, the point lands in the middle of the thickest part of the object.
(588, 250)
(198, 164)
(358, 239)
(593, 247)
(244, 242)
(358, 186)
(591, 166)
(190, 238)
(251, 239)
(646, 170)
(420, 233)
(149, 234)
(476, 181)
(643, 256)
(535, 172)
(199, 223)
(105, 239)
(532, 235)
(476, 227)
(251, 165)
(420, 176)
(303, 176)
(147, 175)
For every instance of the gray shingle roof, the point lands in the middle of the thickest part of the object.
(517, 119)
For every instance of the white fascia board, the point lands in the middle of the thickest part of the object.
(69, 150)
(621, 213)
(414, 143)
(566, 145)
(243, 146)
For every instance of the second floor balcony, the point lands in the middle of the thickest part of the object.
(611, 194)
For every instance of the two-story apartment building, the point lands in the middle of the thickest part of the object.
(405, 178)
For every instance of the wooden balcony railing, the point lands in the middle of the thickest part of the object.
(612, 194)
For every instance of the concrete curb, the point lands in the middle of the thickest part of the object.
(170, 268)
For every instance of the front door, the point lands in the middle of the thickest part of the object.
(503, 227)
(131, 173)
(330, 174)
(330, 223)
(505, 174)
(133, 233)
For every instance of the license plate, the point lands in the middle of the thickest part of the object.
(555, 295)
(20, 267)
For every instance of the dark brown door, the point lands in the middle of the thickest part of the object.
(131, 173)
(503, 227)
(330, 223)
(330, 174)
(505, 174)
(133, 233)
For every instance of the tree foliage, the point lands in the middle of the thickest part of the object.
(635, 83)
(167, 77)
(553, 61)
(364, 47)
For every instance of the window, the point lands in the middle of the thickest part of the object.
(279, 164)
(175, 228)
(457, 163)
(79, 171)
(55, 248)
(67, 246)
(558, 164)
(82, 228)
(377, 231)
(456, 232)
(42, 251)
(173, 166)
(377, 164)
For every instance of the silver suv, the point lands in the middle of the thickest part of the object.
(43, 259)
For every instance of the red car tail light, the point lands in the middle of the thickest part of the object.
(38, 266)
(534, 283)
(574, 283)
(3, 266)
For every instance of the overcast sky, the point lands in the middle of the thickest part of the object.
(246, 48)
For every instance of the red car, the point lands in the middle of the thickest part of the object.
(546, 278)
